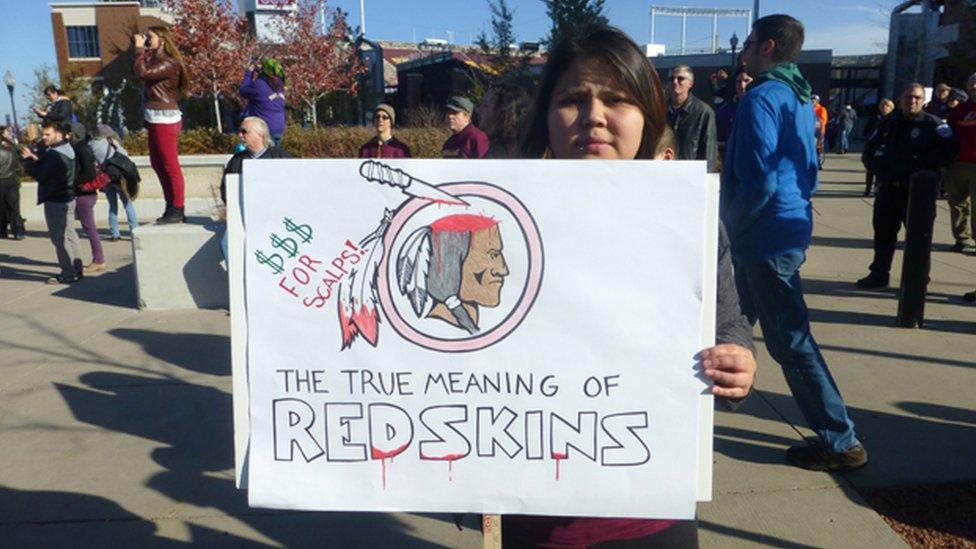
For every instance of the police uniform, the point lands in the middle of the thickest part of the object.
(900, 147)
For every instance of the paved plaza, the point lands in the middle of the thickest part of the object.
(115, 423)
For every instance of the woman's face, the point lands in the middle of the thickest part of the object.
(381, 122)
(592, 116)
(153, 42)
(886, 108)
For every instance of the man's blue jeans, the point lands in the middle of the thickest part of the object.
(845, 139)
(113, 192)
(770, 291)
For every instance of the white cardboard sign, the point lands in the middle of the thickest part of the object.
(478, 336)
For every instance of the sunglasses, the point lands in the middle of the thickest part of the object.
(748, 43)
(679, 78)
(242, 131)
(382, 117)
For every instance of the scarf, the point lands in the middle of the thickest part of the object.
(789, 74)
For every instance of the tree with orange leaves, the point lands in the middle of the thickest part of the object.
(317, 60)
(216, 46)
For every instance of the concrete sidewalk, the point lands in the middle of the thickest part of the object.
(115, 424)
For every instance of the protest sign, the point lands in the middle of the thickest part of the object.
(490, 336)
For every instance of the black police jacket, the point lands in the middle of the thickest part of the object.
(903, 146)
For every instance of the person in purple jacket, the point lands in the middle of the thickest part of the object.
(466, 140)
(384, 145)
(265, 94)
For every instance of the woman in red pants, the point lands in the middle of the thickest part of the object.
(159, 64)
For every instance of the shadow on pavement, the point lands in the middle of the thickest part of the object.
(201, 353)
(115, 288)
(193, 425)
(932, 445)
(888, 320)
(761, 539)
(86, 521)
(842, 242)
(899, 356)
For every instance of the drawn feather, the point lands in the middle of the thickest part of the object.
(358, 299)
(412, 267)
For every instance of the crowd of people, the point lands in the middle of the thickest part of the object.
(599, 98)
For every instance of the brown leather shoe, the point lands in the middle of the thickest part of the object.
(815, 457)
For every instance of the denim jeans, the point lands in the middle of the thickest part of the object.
(113, 193)
(845, 139)
(770, 291)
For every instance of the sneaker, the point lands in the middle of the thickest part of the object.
(60, 279)
(815, 457)
(873, 280)
(114, 238)
(969, 296)
(959, 247)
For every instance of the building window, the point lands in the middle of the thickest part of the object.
(83, 42)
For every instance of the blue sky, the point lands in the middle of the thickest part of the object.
(847, 27)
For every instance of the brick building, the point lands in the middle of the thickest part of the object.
(89, 38)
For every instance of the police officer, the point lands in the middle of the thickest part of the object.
(905, 143)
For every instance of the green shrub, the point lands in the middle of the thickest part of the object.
(317, 142)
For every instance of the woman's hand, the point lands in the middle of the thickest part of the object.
(40, 112)
(731, 368)
(26, 153)
(139, 40)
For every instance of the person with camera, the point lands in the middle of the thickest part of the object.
(159, 64)
(264, 91)
(58, 108)
(52, 165)
(906, 143)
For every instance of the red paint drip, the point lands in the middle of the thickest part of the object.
(376, 453)
(463, 223)
(559, 456)
(449, 458)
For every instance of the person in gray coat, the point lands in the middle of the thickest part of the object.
(692, 120)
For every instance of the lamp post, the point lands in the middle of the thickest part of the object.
(734, 41)
(8, 79)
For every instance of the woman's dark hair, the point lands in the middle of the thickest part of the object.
(636, 73)
(51, 88)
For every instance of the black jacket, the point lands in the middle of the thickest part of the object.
(237, 161)
(84, 166)
(58, 111)
(903, 146)
(694, 126)
(8, 161)
(54, 171)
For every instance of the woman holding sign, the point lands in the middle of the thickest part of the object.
(600, 98)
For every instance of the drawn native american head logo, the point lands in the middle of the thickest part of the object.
(433, 273)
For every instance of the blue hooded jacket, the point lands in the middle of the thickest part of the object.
(769, 173)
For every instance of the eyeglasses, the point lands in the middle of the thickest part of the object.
(679, 78)
(242, 131)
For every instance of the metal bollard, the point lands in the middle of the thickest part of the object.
(923, 190)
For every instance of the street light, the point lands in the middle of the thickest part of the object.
(8, 79)
(734, 41)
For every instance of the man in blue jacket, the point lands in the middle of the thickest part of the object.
(769, 174)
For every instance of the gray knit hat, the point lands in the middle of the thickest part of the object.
(388, 109)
